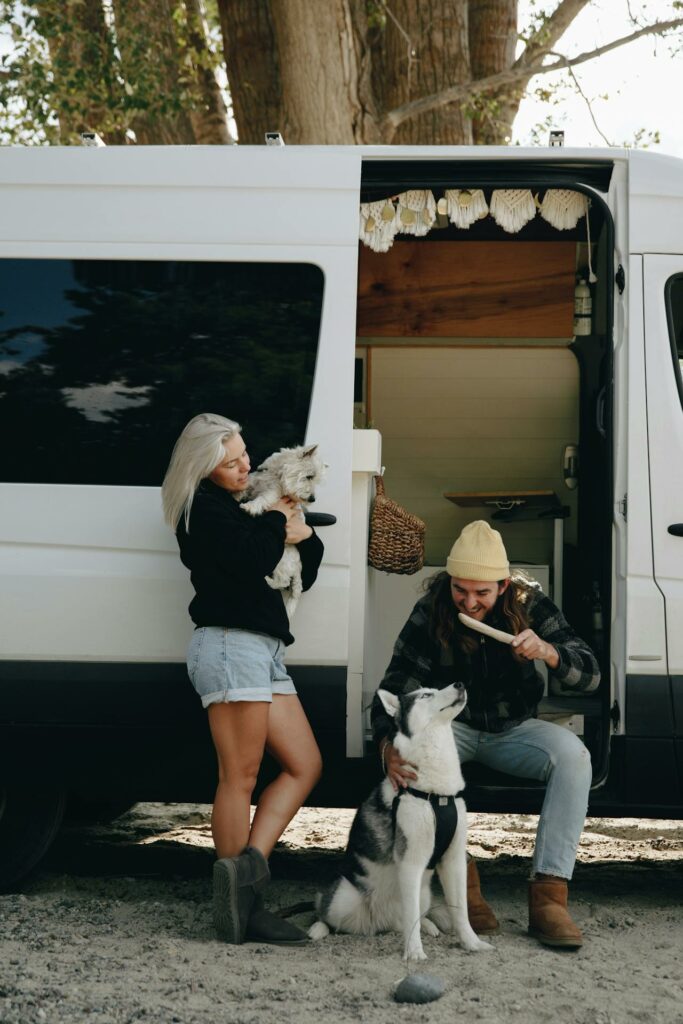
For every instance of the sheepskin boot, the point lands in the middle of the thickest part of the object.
(482, 918)
(263, 926)
(236, 883)
(549, 919)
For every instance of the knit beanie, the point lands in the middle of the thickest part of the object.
(478, 554)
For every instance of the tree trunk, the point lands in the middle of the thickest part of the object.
(321, 62)
(251, 55)
(208, 114)
(150, 62)
(493, 41)
(86, 95)
(422, 49)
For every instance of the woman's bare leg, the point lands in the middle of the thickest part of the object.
(239, 731)
(291, 742)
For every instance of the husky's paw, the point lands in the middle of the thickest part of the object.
(476, 945)
(415, 953)
(429, 928)
(318, 930)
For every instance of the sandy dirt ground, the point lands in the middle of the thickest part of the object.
(116, 928)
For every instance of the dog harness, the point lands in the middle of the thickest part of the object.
(445, 819)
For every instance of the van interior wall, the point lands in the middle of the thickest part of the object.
(475, 418)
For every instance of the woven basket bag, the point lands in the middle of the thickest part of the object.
(397, 538)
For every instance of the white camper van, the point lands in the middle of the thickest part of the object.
(522, 366)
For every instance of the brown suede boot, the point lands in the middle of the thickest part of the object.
(549, 919)
(482, 918)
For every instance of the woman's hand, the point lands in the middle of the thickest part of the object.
(528, 646)
(397, 770)
(287, 506)
(297, 529)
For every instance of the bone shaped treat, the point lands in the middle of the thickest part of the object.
(481, 627)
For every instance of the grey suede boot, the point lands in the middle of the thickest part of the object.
(264, 926)
(236, 883)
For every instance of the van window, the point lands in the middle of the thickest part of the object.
(102, 362)
(674, 301)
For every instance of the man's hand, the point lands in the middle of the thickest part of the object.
(528, 646)
(399, 772)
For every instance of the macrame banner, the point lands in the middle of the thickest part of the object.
(465, 206)
(378, 225)
(414, 213)
(563, 208)
(512, 208)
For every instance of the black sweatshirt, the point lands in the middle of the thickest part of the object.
(229, 553)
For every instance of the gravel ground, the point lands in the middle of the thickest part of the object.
(116, 928)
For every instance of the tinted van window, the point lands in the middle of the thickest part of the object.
(102, 362)
(674, 296)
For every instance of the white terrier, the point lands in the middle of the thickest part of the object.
(294, 473)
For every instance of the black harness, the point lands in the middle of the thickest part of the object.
(445, 819)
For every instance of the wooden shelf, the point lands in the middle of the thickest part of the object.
(503, 499)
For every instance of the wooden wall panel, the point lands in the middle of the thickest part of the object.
(467, 290)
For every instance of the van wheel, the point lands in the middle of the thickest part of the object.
(30, 818)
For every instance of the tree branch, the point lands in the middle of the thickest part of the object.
(550, 31)
(516, 74)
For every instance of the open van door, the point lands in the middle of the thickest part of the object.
(663, 309)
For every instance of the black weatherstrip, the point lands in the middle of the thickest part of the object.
(400, 175)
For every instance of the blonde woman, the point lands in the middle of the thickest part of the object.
(235, 663)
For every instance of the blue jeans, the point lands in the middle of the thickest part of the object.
(551, 754)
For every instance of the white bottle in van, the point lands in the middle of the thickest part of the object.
(583, 308)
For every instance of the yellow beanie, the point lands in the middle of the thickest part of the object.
(478, 554)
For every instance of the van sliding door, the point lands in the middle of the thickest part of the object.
(663, 305)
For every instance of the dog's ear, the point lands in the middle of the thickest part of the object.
(309, 451)
(390, 702)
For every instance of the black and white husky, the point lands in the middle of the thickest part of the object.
(396, 841)
(292, 472)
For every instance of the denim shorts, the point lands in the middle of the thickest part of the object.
(236, 664)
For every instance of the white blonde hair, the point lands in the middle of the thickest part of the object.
(196, 453)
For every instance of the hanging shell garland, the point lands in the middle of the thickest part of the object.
(465, 206)
(378, 225)
(563, 208)
(512, 208)
(416, 212)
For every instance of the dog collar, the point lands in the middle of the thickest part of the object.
(435, 799)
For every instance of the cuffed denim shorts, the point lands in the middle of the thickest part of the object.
(235, 664)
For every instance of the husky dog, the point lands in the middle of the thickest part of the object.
(292, 472)
(397, 840)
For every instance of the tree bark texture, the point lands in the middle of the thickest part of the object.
(208, 113)
(251, 54)
(320, 70)
(493, 41)
(422, 49)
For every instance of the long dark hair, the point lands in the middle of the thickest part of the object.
(443, 617)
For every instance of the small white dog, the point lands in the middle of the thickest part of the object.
(396, 841)
(293, 472)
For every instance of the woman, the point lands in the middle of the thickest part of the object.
(498, 727)
(235, 663)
